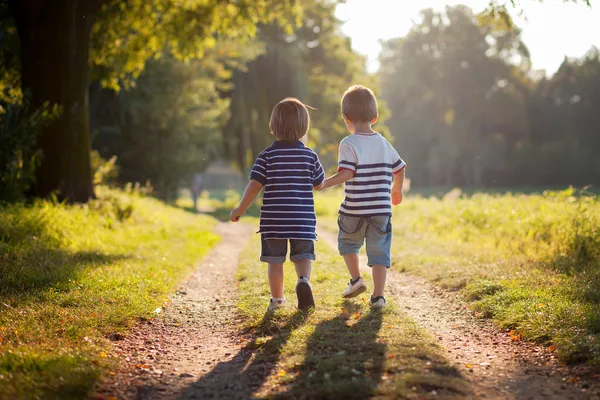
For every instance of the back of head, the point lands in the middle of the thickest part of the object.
(359, 104)
(289, 119)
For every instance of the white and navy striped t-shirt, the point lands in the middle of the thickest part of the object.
(374, 161)
(288, 170)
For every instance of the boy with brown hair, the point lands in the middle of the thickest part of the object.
(373, 174)
(288, 171)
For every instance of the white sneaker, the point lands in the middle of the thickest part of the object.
(377, 302)
(276, 303)
(355, 288)
(304, 293)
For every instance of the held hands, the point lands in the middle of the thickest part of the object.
(320, 187)
(396, 196)
(235, 215)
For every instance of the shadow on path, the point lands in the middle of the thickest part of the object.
(323, 375)
(243, 375)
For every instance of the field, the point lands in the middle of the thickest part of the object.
(74, 277)
(529, 262)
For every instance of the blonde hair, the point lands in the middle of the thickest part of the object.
(359, 104)
(289, 119)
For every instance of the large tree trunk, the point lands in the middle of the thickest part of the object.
(55, 40)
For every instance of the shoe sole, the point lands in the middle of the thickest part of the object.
(306, 300)
(358, 291)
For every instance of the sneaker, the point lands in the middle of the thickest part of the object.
(305, 295)
(377, 302)
(355, 287)
(276, 303)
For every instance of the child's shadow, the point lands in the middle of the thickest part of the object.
(243, 375)
(343, 358)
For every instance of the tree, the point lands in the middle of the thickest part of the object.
(56, 45)
(169, 126)
(456, 99)
(316, 64)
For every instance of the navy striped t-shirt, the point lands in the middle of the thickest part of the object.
(288, 170)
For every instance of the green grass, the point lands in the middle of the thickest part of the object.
(70, 276)
(529, 262)
(343, 349)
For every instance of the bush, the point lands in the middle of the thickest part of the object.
(19, 127)
(105, 171)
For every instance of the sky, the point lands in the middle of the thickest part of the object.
(550, 30)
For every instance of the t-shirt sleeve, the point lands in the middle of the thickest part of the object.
(319, 172)
(347, 158)
(259, 170)
(397, 163)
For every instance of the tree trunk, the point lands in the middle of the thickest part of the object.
(55, 41)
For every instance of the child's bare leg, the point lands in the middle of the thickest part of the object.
(303, 268)
(379, 275)
(276, 280)
(353, 265)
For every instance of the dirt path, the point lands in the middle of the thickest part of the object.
(193, 350)
(497, 366)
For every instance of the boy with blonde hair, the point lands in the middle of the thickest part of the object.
(373, 174)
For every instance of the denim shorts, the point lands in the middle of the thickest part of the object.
(275, 250)
(377, 231)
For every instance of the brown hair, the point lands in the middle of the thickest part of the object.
(359, 104)
(289, 119)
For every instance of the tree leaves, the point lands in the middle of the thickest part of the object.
(128, 33)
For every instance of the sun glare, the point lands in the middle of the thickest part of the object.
(551, 30)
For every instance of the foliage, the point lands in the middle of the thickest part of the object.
(10, 76)
(471, 112)
(128, 33)
(19, 157)
(168, 127)
(71, 275)
(382, 354)
(105, 171)
(315, 64)
(124, 36)
(459, 102)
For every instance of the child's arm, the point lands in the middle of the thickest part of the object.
(397, 187)
(252, 190)
(340, 177)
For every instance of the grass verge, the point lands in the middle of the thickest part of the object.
(71, 277)
(343, 349)
(529, 262)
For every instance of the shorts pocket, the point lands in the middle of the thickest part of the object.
(381, 225)
(350, 225)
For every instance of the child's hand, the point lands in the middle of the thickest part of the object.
(235, 215)
(396, 196)
(319, 187)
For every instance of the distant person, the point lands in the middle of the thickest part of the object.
(197, 188)
(288, 170)
(374, 174)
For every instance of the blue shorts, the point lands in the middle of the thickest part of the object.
(274, 251)
(377, 231)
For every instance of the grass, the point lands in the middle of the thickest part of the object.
(529, 262)
(343, 349)
(72, 276)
